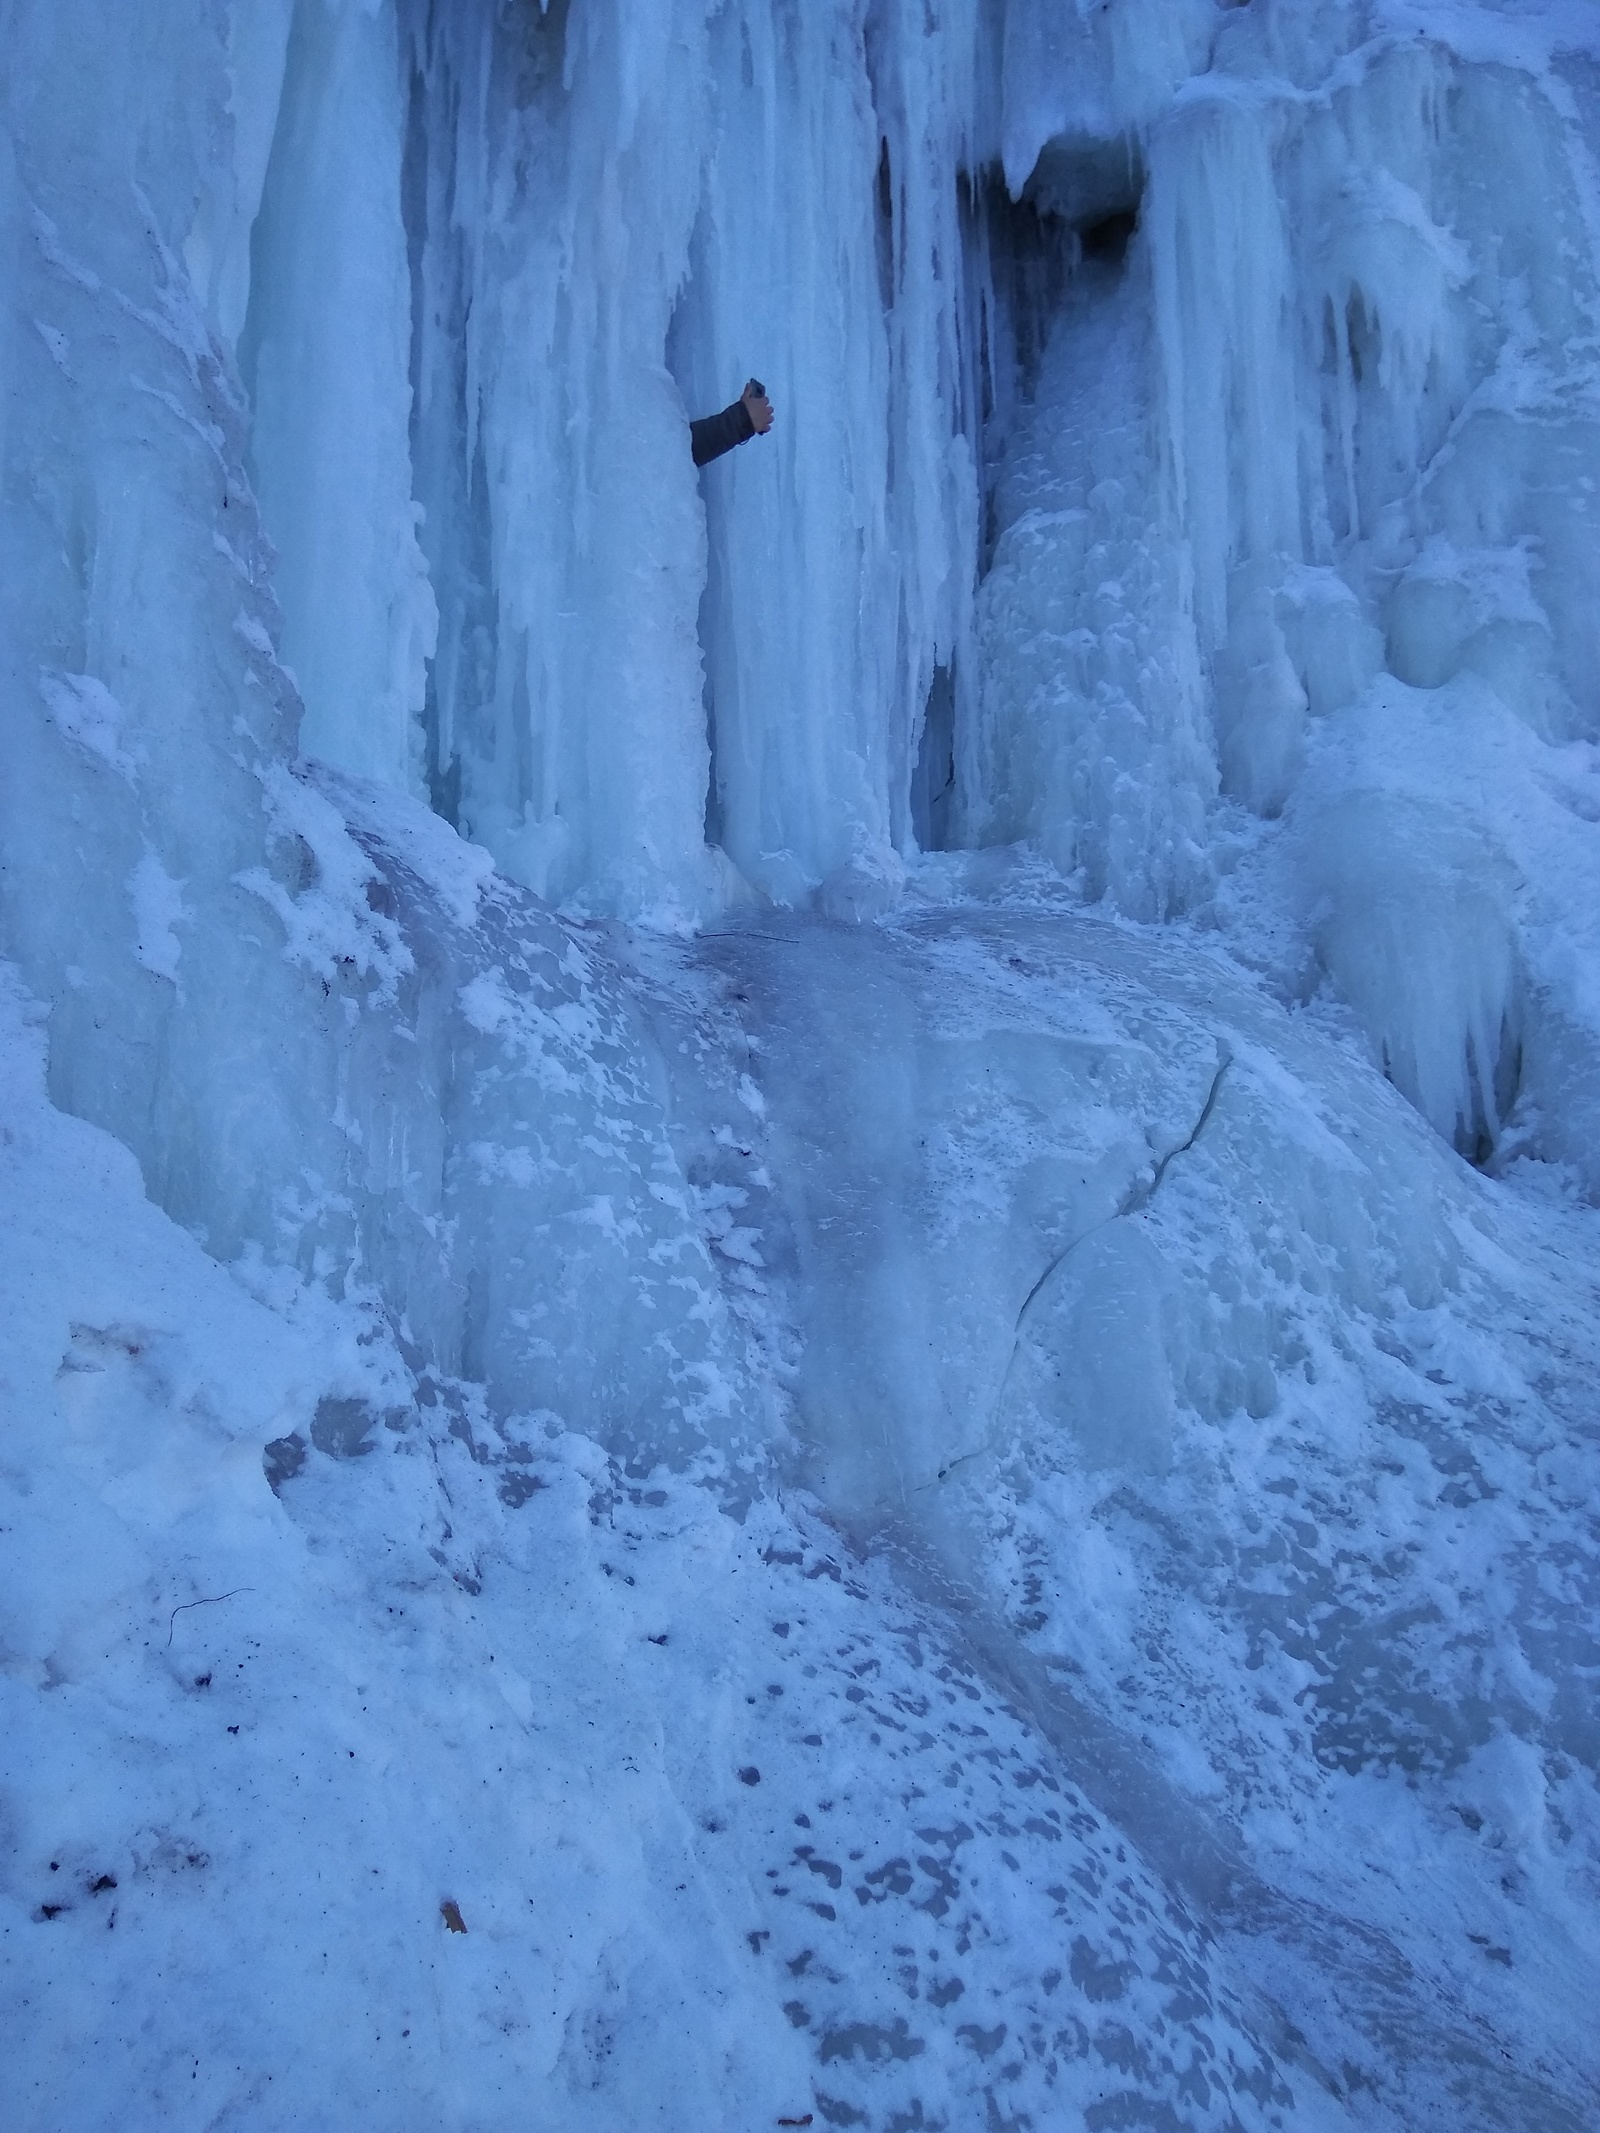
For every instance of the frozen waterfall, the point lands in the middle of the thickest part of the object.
(801, 1266)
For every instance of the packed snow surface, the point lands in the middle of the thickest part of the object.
(800, 1276)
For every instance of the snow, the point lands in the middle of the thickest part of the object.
(158, 907)
(800, 1266)
(86, 712)
(381, 1705)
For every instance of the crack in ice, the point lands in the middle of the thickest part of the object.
(1134, 1200)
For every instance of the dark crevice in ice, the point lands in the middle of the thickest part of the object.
(933, 782)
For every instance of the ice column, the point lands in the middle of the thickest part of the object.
(324, 354)
(828, 250)
(555, 163)
(217, 250)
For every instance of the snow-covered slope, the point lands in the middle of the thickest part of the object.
(716, 1814)
(800, 1274)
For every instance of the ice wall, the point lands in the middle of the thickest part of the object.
(354, 1059)
(147, 715)
(477, 263)
(1303, 481)
(1150, 382)
(610, 224)
(614, 220)
(1238, 1429)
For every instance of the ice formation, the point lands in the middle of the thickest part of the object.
(800, 1265)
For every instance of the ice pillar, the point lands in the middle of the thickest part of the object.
(325, 352)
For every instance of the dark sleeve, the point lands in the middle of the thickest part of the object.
(713, 435)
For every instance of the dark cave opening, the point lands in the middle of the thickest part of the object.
(1106, 242)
